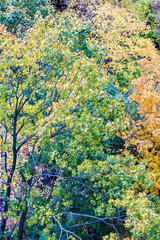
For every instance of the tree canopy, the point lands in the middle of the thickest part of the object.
(79, 122)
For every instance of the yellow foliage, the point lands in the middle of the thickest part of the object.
(71, 237)
(118, 31)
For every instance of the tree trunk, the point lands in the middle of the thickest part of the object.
(21, 223)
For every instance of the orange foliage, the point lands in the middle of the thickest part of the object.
(145, 132)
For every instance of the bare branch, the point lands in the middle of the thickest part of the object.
(94, 217)
(79, 225)
(100, 219)
(66, 231)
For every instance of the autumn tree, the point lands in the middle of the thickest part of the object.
(46, 92)
(118, 32)
(144, 133)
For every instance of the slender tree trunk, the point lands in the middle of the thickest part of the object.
(58, 4)
(24, 214)
(8, 193)
(21, 223)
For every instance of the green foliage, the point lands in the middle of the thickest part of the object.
(17, 15)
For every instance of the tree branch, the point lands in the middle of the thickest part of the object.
(66, 231)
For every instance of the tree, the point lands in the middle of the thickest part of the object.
(46, 93)
(144, 133)
(122, 36)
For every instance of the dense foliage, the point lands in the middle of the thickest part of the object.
(79, 122)
(17, 15)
